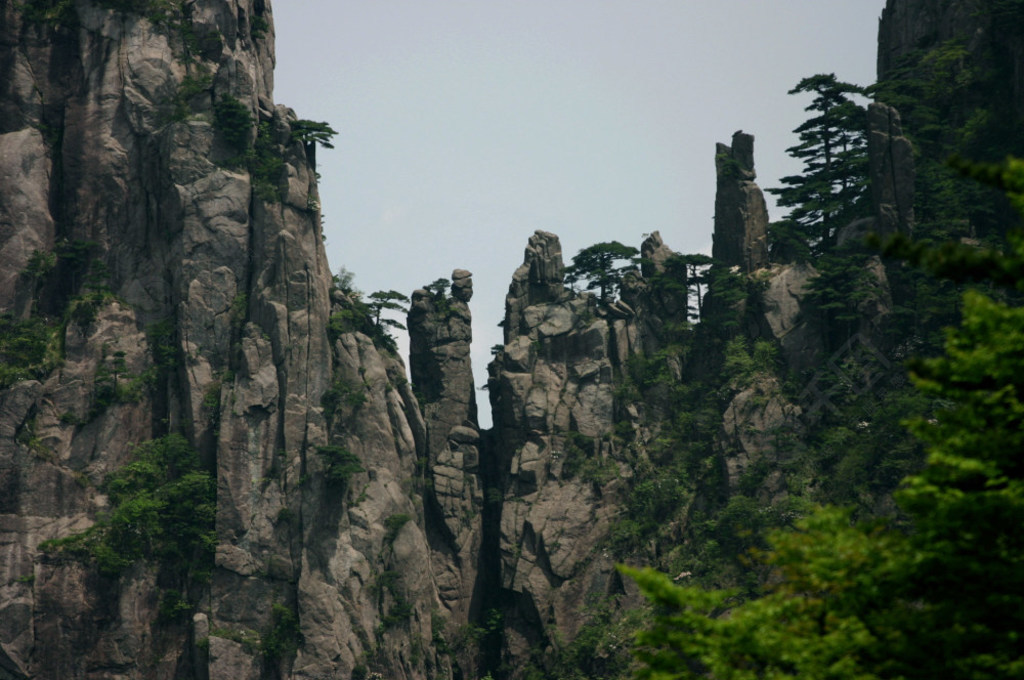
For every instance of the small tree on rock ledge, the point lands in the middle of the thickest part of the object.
(596, 265)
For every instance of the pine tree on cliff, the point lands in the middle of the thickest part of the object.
(832, 190)
(597, 266)
(869, 599)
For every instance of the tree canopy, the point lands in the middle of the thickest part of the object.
(597, 266)
(831, 191)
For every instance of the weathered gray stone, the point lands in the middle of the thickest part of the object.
(891, 166)
(26, 225)
(440, 333)
(741, 216)
(752, 425)
(653, 254)
(539, 280)
(243, 287)
(554, 376)
(798, 337)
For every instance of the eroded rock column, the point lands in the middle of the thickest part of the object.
(741, 216)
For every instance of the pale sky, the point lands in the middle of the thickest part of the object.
(465, 125)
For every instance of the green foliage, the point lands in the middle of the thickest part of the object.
(367, 318)
(192, 85)
(952, 99)
(129, 5)
(162, 504)
(386, 300)
(258, 26)
(233, 120)
(728, 289)
(57, 13)
(599, 650)
(842, 285)
(249, 639)
(438, 288)
(32, 347)
(265, 165)
(863, 599)
(342, 393)
(787, 242)
(344, 281)
(114, 384)
(578, 448)
(29, 348)
(833, 148)
(582, 459)
(40, 264)
(313, 132)
(284, 635)
(684, 278)
(742, 364)
(596, 265)
(162, 341)
(393, 524)
(400, 609)
(173, 606)
(339, 463)
(351, 319)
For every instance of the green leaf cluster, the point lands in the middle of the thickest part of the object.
(599, 650)
(163, 506)
(233, 120)
(59, 13)
(262, 158)
(313, 132)
(283, 636)
(832, 189)
(357, 316)
(393, 524)
(29, 348)
(339, 464)
(597, 266)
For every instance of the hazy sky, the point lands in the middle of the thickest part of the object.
(465, 125)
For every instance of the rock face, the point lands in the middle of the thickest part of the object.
(552, 392)
(440, 334)
(187, 291)
(891, 164)
(988, 32)
(741, 216)
(755, 420)
(783, 318)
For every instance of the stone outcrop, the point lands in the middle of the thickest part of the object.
(658, 304)
(783, 318)
(552, 393)
(891, 167)
(366, 592)
(741, 216)
(756, 420)
(440, 334)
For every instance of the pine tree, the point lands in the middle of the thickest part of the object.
(833, 147)
(597, 266)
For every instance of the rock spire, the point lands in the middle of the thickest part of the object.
(741, 216)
